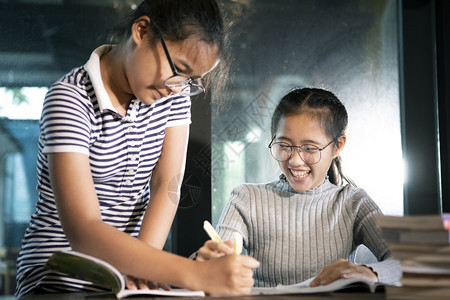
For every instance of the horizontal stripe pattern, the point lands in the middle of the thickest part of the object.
(123, 152)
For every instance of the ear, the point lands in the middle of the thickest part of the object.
(140, 30)
(340, 144)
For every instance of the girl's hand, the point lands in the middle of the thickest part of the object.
(229, 274)
(343, 269)
(133, 283)
(213, 249)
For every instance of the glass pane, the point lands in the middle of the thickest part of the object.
(348, 47)
(19, 126)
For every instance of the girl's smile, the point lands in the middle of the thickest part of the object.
(299, 174)
(301, 129)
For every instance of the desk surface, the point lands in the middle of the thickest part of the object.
(328, 296)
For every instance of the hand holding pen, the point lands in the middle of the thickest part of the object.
(225, 256)
(237, 237)
(215, 247)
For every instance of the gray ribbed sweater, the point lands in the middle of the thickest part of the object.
(294, 235)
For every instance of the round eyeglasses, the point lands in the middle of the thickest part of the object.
(187, 85)
(310, 154)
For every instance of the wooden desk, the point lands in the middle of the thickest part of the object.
(329, 296)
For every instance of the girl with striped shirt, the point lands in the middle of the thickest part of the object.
(306, 223)
(112, 151)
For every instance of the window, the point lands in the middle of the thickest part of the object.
(19, 121)
(349, 47)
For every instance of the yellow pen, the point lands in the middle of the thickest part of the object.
(211, 232)
(237, 237)
(237, 243)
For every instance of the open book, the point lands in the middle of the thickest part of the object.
(304, 288)
(92, 269)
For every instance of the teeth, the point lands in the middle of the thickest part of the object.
(300, 174)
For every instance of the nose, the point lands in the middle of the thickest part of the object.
(296, 159)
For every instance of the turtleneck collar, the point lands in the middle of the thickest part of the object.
(321, 188)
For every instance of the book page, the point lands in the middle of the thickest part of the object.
(343, 283)
(89, 268)
(86, 267)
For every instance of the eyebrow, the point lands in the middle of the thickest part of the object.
(188, 68)
(185, 64)
(291, 141)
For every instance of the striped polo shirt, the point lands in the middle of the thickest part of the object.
(78, 116)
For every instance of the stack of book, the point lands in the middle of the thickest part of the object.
(422, 245)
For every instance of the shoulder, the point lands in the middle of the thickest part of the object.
(76, 80)
(69, 105)
(75, 87)
(358, 199)
(177, 110)
(350, 191)
(260, 192)
(172, 103)
(256, 187)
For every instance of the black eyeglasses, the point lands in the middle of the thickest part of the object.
(310, 154)
(188, 86)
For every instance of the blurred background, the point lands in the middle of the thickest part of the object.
(387, 61)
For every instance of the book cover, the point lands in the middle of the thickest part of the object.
(422, 244)
(416, 222)
(89, 268)
(421, 253)
(425, 280)
(411, 236)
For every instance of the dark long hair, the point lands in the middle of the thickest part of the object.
(327, 109)
(179, 20)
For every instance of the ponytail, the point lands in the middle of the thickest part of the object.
(336, 174)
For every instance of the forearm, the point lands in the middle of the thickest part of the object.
(134, 257)
(165, 186)
(230, 274)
